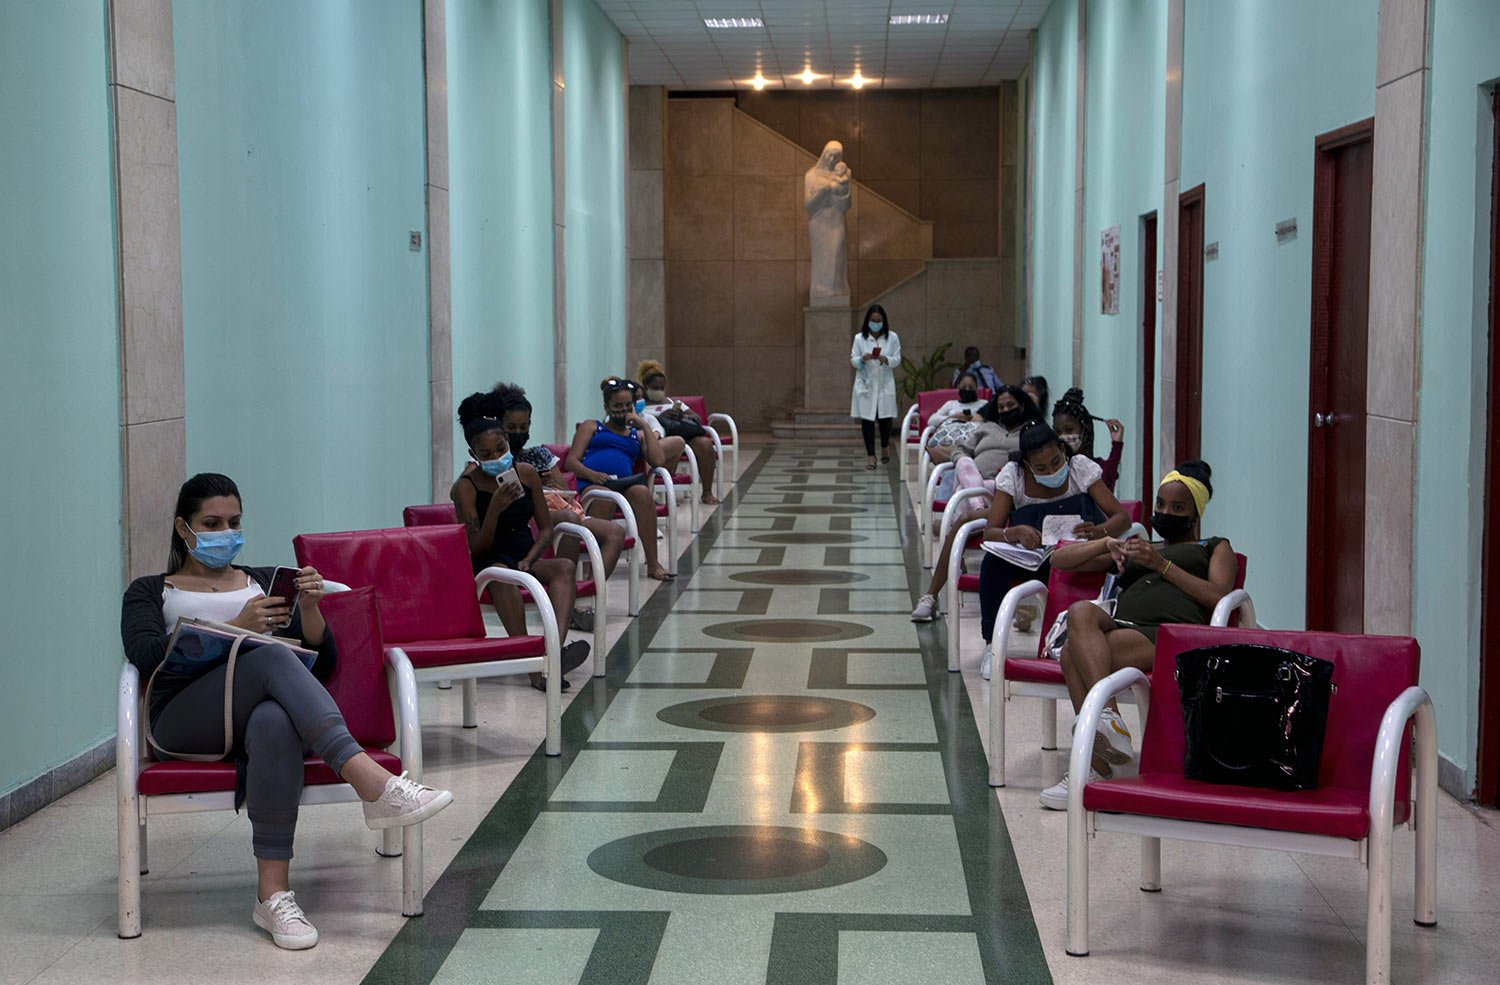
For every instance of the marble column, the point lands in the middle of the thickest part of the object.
(439, 273)
(1166, 428)
(143, 95)
(1401, 79)
(646, 336)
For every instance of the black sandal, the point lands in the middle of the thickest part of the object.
(540, 683)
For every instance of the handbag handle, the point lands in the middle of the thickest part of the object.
(202, 757)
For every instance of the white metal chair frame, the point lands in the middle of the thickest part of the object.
(658, 477)
(1374, 851)
(734, 449)
(134, 809)
(635, 558)
(909, 422)
(549, 664)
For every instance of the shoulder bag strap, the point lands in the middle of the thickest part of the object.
(202, 757)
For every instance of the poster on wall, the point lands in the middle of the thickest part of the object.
(1109, 271)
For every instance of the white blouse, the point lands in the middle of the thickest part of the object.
(218, 606)
(1083, 472)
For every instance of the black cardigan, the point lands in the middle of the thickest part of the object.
(144, 631)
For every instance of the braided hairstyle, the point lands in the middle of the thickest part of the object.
(1070, 405)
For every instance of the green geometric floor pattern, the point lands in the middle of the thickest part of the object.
(778, 782)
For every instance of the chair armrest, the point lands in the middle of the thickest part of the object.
(907, 421)
(1132, 532)
(590, 544)
(929, 495)
(926, 434)
(1414, 701)
(128, 730)
(403, 684)
(663, 477)
(522, 579)
(1082, 753)
(621, 505)
(955, 503)
(1000, 638)
(734, 431)
(692, 460)
(329, 585)
(956, 556)
(1237, 600)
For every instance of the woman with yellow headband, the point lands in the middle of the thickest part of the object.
(1178, 579)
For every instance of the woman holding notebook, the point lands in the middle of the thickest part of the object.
(1043, 495)
(279, 703)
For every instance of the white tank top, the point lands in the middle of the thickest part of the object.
(218, 606)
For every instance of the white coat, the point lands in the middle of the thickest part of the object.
(874, 382)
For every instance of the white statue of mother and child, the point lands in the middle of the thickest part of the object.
(825, 195)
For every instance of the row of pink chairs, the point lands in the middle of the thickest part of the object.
(1369, 781)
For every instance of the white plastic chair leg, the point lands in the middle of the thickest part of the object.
(411, 870)
(145, 857)
(1049, 724)
(471, 703)
(634, 563)
(1150, 865)
(445, 685)
(390, 843)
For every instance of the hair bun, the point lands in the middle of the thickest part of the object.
(1073, 395)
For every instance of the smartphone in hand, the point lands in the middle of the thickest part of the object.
(509, 476)
(284, 586)
(876, 352)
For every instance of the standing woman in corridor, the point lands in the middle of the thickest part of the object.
(875, 355)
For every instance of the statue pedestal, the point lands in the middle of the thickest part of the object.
(827, 379)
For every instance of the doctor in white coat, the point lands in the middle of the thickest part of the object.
(875, 355)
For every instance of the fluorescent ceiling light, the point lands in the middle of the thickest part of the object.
(718, 22)
(905, 20)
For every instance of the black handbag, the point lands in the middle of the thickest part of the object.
(1253, 715)
(682, 427)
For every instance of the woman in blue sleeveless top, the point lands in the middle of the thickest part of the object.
(605, 452)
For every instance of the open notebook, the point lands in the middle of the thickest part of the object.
(1055, 529)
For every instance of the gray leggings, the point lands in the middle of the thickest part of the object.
(280, 710)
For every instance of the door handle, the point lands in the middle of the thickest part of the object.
(1322, 420)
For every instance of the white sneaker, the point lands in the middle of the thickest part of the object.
(404, 802)
(984, 668)
(1112, 739)
(1055, 797)
(288, 925)
(926, 610)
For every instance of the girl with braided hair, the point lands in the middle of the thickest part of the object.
(1075, 428)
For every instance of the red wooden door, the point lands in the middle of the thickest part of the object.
(1336, 398)
(1147, 436)
(1489, 658)
(1189, 325)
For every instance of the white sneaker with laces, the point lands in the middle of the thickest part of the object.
(1055, 797)
(926, 610)
(404, 802)
(984, 668)
(1112, 740)
(284, 919)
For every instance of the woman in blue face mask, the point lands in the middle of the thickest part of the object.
(279, 706)
(1043, 480)
(498, 499)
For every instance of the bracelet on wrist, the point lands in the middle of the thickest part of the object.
(1166, 569)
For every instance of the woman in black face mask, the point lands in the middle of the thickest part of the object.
(993, 443)
(1178, 579)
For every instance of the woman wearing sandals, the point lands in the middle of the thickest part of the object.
(874, 355)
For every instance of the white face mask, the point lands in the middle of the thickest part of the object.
(1072, 442)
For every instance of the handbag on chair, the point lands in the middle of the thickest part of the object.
(1254, 715)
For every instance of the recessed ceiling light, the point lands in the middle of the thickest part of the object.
(906, 20)
(807, 77)
(720, 22)
(759, 82)
(857, 80)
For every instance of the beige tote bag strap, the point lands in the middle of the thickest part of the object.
(202, 757)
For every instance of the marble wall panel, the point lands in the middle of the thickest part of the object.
(766, 312)
(764, 228)
(700, 136)
(155, 456)
(701, 369)
(964, 217)
(765, 385)
(890, 131)
(758, 150)
(647, 119)
(699, 302)
(829, 116)
(960, 134)
(698, 217)
(644, 221)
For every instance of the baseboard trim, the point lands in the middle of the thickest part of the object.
(1454, 780)
(56, 783)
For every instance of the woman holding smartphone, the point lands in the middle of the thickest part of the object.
(874, 355)
(604, 453)
(498, 499)
(280, 706)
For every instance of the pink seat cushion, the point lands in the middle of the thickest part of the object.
(968, 583)
(1334, 811)
(1033, 670)
(441, 653)
(359, 683)
(175, 776)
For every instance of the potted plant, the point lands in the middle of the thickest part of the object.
(927, 375)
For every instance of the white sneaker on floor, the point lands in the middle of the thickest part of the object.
(926, 610)
(1112, 740)
(288, 925)
(984, 668)
(404, 802)
(1055, 797)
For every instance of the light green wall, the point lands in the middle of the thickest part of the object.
(500, 200)
(302, 164)
(1261, 80)
(1054, 80)
(1127, 42)
(594, 147)
(1451, 434)
(59, 389)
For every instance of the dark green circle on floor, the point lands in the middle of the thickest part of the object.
(787, 630)
(796, 577)
(766, 713)
(736, 860)
(815, 510)
(808, 537)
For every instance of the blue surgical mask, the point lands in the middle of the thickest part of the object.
(876, 327)
(497, 465)
(640, 406)
(216, 548)
(1056, 480)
